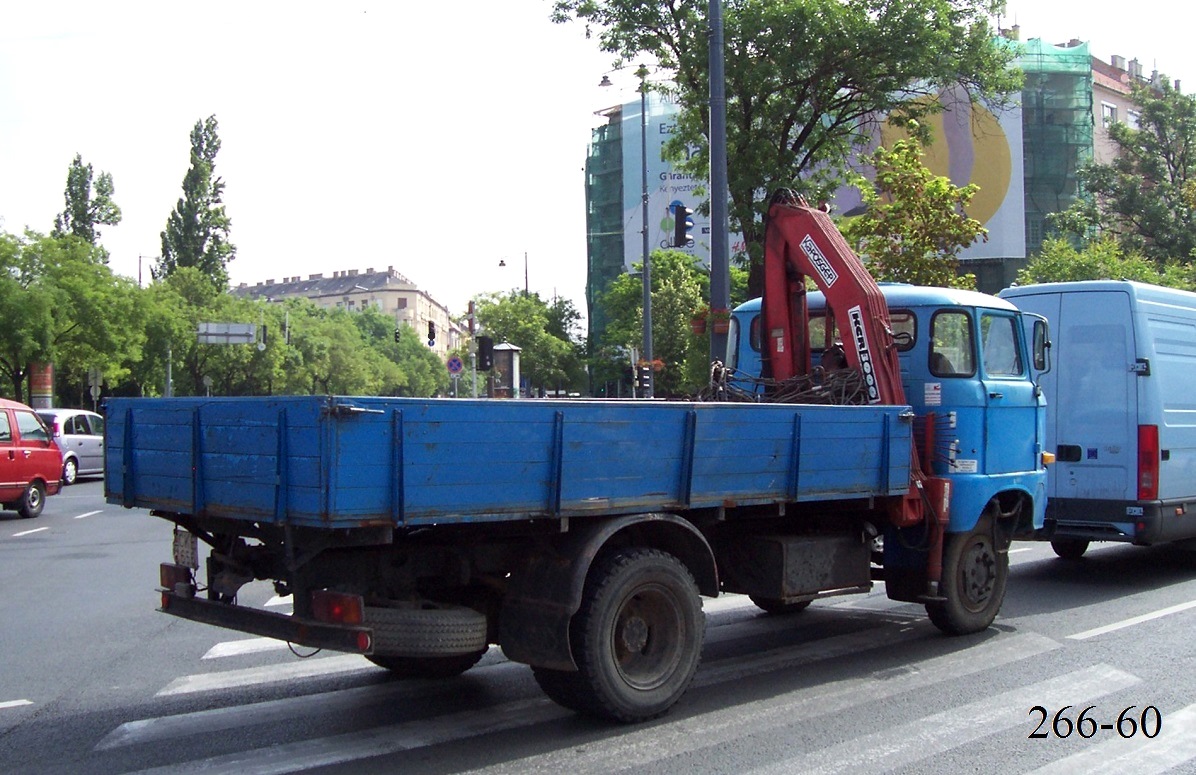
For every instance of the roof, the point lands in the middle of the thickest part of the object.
(901, 295)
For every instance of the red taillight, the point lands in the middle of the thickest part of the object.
(337, 607)
(1148, 462)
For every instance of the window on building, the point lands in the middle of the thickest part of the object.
(1132, 117)
(1108, 114)
(402, 303)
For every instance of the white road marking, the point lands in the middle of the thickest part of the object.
(14, 704)
(1175, 745)
(232, 679)
(236, 648)
(278, 600)
(914, 741)
(1086, 634)
(29, 532)
(88, 514)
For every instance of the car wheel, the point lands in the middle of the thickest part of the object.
(70, 471)
(33, 501)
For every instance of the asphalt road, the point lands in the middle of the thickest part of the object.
(94, 680)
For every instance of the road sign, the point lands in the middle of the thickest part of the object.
(455, 366)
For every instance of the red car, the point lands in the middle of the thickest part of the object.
(30, 461)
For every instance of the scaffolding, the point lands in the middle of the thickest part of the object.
(1057, 130)
(604, 216)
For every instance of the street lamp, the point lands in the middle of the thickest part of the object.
(646, 349)
(503, 262)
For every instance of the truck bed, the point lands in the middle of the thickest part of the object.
(340, 462)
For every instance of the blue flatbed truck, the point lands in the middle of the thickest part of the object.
(580, 535)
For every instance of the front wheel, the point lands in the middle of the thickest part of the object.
(637, 638)
(1069, 548)
(33, 501)
(974, 577)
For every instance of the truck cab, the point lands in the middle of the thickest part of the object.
(967, 368)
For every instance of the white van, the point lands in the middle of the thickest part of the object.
(1121, 411)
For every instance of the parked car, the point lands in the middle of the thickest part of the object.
(80, 436)
(30, 460)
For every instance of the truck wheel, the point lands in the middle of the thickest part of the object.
(1069, 548)
(33, 501)
(772, 606)
(974, 576)
(427, 667)
(637, 638)
(411, 631)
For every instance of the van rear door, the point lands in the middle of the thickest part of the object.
(1094, 430)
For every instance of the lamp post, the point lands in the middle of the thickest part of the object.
(642, 73)
(526, 289)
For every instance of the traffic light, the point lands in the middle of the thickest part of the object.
(485, 353)
(396, 333)
(431, 334)
(682, 225)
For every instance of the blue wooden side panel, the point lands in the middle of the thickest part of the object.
(340, 462)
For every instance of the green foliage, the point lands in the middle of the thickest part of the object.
(915, 224)
(197, 232)
(550, 358)
(1103, 259)
(679, 287)
(803, 78)
(1145, 198)
(85, 212)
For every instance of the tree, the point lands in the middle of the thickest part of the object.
(1145, 197)
(805, 79)
(915, 225)
(679, 286)
(197, 232)
(85, 212)
(1102, 259)
(547, 359)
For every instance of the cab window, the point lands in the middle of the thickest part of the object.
(952, 345)
(1002, 355)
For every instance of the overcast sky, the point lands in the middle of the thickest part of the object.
(438, 138)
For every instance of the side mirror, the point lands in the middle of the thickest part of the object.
(1042, 346)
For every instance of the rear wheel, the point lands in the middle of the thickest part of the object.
(974, 577)
(1069, 548)
(70, 471)
(33, 501)
(773, 606)
(637, 638)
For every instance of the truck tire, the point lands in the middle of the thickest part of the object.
(1069, 548)
(33, 501)
(974, 577)
(772, 606)
(637, 638)
(411, 631)
(427, 667)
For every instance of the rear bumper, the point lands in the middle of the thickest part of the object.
(301, 632)
(1138, 522)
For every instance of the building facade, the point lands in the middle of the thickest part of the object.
(387, 291)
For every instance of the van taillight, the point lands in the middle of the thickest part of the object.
(1148, 462)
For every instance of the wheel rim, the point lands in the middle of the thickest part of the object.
(34, 499)
(978, 573)
(69, 472)
(646, 638)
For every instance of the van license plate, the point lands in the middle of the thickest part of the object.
(186, 549)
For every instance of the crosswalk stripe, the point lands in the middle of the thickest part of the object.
(908, 743)
(1132, 621)
(14, 704)
(378, 741)
(232, 679)
(236, 648)
(651, 744)
(1175, 745)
